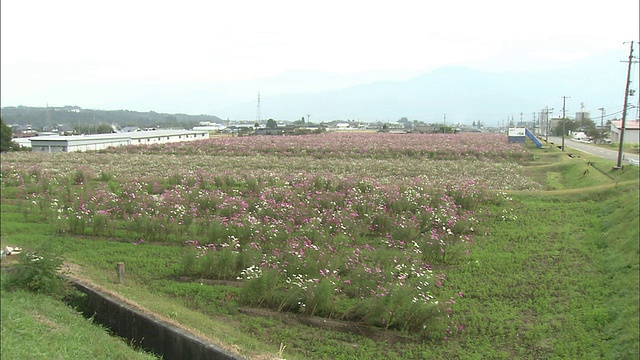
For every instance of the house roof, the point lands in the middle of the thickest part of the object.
(629, 125)
(116, 136)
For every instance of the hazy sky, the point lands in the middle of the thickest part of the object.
(94, 44)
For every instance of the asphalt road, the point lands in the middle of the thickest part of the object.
(594, 150)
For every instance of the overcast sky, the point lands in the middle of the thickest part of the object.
(47, 43)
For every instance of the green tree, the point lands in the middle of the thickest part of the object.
(104, 129)
(82, 129)
(570, 125)
(405, 122)
(6, 133)
(589, 128)
(272, 124)
(601, 133)
(446, 129)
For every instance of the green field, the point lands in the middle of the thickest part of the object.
(551, 273)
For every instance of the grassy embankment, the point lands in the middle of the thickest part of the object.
(555, 276)
(40, 327)
(631, 148)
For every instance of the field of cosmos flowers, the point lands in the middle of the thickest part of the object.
(353, 226)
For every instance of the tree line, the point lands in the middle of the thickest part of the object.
(48, 117)
(6, 135)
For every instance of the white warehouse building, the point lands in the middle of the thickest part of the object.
(631, 131)
(55, 143)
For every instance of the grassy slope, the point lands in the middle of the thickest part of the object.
(560, 281)
(618, 244)
(557, 279)
(39, 327)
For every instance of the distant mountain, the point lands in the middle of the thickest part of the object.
(462, 93)
(491, 91)
(40, 117)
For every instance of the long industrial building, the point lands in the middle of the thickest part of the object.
(55, 143)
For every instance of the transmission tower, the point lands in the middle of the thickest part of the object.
(258, 114)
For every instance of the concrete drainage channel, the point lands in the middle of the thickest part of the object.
(146, 332)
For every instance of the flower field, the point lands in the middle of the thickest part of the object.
(349, 145)
(357, 227)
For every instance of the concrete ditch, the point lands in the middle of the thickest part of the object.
(146, 332)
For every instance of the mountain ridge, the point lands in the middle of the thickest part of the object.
(463, 93)
(74, 115)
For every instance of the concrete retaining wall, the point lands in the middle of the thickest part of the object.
(149, 333)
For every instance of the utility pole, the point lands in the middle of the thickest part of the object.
(601, 123)
(624, 109)
(533, 124)
(638, 109)
(541, 123)
(546, 111)
(564, 120)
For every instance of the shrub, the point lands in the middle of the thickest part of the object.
(79, 177)
(105, 176)
(189, 263)
(259, 287)
(319, 298)
(38, 272)
(100, 225)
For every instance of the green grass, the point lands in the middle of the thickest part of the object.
(558, 171)
(39, 327)
(545, 284)
(631, 148)
(557, 279)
